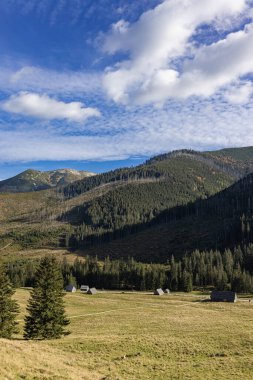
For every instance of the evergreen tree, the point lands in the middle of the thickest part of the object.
(186, 282)
(8, 307)
(46, 319)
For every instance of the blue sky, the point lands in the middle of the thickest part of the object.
(96, 85)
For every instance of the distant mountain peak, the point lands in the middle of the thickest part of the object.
(34, 180)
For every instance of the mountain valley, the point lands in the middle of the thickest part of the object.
(166, 206)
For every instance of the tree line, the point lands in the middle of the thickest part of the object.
(125, 174)
(46, 319)
(231, 269)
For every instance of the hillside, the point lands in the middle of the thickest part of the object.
(34, 180)
(239, 154)
(233, 163)
(150, 189)
(222, 221)
(146, 211)
(162, 183)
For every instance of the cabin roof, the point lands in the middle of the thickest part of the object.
(225, 295)
(92, 291)
(158, 292)
(70, 287)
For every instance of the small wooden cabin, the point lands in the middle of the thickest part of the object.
(158, 292)
(223, 296)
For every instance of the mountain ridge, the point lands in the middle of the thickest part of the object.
(228, 164)
(36, 180)
(121, 213)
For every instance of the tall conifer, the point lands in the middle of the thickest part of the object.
(8, 307)
(46, 319)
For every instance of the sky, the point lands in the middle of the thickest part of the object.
(96, 85)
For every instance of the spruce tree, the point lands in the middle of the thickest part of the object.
(186, 282)
(8, 307)
(46, 319)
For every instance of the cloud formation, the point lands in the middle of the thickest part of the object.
(164, 60)
(142, 132)
(193, 58)
(239, 93)
(44, 107)
(32, 79)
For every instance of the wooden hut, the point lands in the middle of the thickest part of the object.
(223, 296)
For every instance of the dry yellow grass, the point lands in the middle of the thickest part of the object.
(138, 336)
(7, 255)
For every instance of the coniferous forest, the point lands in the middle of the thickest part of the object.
(125, 212)
(231, 269)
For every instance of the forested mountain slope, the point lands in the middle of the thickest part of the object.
(172, 179)
(148, 211)
(178, 181)
(225, 220)
(235, 163)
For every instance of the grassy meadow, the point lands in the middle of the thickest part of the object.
(127, 336)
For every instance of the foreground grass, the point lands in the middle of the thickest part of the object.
(138, 336)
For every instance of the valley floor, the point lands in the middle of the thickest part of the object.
(129, 336)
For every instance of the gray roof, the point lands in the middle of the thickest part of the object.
(70, 288)
(158, 292)
(85, 287)
(223, 296)
(92, 291)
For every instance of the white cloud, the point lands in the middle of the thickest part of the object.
(202, 86)
(240, 93)
(143, 131)
(212, 68)
(31, 78)
(219, 64)
(162, 35)
(44, 107)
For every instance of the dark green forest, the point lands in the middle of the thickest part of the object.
(231, 269)
(133, 207)
(128, 211)
(178, 165)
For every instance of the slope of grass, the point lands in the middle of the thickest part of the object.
(240, 154)
(138, 336)
(9, 255)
